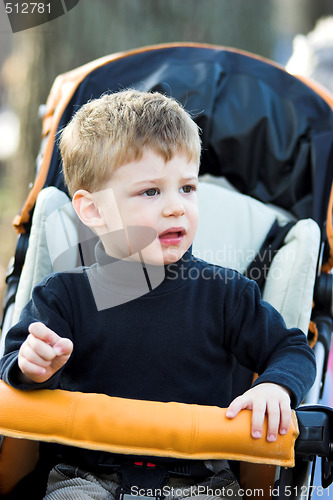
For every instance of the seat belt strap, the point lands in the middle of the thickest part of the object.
(257, 269)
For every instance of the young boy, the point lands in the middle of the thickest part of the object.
(131, 160)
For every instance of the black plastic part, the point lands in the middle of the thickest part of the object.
(323, 293)
(146, 477)
(316, 438)
(14, 273)
(324, 325)
(326, 472)
(258, 268)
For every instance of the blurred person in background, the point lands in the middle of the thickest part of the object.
(312, 55)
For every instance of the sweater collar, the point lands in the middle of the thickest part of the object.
(116, 282)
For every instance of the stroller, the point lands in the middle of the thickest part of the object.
(267, 169)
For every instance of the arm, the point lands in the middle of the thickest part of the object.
(31, 342)
(258, 337)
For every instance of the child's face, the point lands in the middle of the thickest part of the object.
(158, 195)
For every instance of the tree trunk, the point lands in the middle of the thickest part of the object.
(94, 29)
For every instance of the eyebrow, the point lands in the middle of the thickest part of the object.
(156, 181)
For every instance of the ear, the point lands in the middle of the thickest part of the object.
(86, 209)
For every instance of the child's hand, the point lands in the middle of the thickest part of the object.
(265, 398)
(43, 353)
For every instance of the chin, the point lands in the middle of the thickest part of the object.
(159, 256)
(153, 255)
(172, 255)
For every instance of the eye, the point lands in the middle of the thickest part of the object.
(188, 189)
(150, 192)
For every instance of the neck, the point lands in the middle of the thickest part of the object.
(114, 282)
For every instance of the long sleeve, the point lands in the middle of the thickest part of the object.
(48, 306)
(258, 337)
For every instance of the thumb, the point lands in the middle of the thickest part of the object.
(235, 407)
(63, 347)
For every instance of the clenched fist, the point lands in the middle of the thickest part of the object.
(43, 353)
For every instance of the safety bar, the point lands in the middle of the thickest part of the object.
(117, 425)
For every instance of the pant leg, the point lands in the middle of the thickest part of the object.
(222, 485)
(71, 483)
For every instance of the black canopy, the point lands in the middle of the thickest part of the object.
(267, 132)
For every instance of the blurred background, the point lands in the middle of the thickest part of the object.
(31, 59)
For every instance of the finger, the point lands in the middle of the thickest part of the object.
(41, 348)
(258, 417)
(285, 416)
(54, 345)
(236, 406)
(63, 347)
(273, 416)
(42, 332)
(33, 357)
(30, 369)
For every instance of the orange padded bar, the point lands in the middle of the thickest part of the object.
(127, 426)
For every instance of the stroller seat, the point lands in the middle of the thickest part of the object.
(277, 151)
(54, 245)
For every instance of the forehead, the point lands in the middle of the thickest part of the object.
(153, 166)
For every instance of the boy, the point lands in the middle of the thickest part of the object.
(131, 159)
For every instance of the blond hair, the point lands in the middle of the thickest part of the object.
(113, 130)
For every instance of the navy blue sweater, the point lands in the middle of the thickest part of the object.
(178, 342)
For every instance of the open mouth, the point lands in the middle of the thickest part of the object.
(172, 236)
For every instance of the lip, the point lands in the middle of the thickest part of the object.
(172, 236)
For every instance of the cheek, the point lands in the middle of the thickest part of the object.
(139, 216)
(194, 217)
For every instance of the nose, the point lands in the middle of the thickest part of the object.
(173, 206)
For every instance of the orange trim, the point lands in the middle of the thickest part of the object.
(318, 89)
(314, 334)
(326, 268)
(62, 91)
(329, 231)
